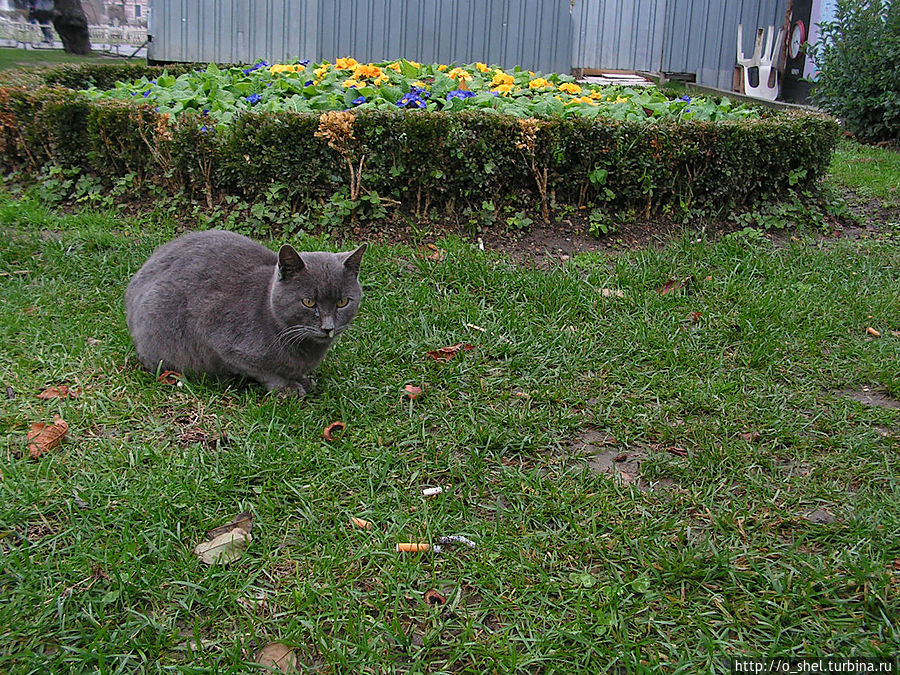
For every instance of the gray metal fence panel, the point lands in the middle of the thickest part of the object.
(535, 34)
(618, 34)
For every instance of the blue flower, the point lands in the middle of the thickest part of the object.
(421, 93)
(146, 93)
(152, 81)
(460, 93)
(359, 101)
(685, 98)
(304, 62)
(204, 112)
(307, 83)
(257, 66)
(253, 99)
(410, 100)
(204, 129)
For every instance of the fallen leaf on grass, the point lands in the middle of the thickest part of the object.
(434, 599)
(447, 353)
(225, 548)
(170, 377)
(436, 254)
(226, 543)
(328, 434)
(873, 332)
(60, 391)
(750, 436)
(673, 285)
(242, 521)
(43, 437)
(695, 316)
(277, 656)
(413, 392)
(678, 452)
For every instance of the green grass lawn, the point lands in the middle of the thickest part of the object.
(18, 58)
(753, 510)
(872, 172)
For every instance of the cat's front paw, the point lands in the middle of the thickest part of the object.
(291, 390)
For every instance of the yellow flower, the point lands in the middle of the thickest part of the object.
(442, 68)
(621, 99)
(361, 72)
(538, 83)
(597, 94)
(501, 78)
(394, 66)
(459, 74)
(346, 64)
(350, 82)
(530, 73)
(378, 81)
(482, 67)
(570, 88)
(503, 88)
(286, 68)
(419, 84)
(414, 63)
(321, 71)
(583, 99)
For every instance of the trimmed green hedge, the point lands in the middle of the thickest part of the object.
(420, 159)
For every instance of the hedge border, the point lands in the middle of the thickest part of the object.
(419, 159)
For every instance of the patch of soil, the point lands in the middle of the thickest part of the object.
(820, 516)
(871, 397)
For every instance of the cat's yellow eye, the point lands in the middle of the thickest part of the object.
(343, 302)
(308, 302)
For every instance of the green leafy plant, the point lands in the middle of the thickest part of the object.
(859, 79)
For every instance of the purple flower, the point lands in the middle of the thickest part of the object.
(359, 101)
(253, 99)
(307, 83)
(152, 81)
(204, 112)
(146, 93)
(421, 93)
(257, 66)
(460, 93)
(304, 62)
(204, 129)
(685, 98)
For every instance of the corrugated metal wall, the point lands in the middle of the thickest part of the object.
(535, 34)
(691, 36)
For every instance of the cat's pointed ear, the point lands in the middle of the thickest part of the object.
(354, 260)
(289, 262)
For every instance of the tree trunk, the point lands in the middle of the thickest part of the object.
(71, 24)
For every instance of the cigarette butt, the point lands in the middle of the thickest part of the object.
(412, 547)
(360, 523)
(431, 492)
(874, 333)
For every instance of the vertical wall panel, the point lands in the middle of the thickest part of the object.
(535, 34)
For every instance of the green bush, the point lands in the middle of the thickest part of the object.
(418, 161)
(858, 56)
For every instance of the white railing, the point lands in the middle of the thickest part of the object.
(109, 36)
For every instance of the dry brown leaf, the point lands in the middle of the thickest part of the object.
(360, 523)
(43, 437)
(621, 458)
(278, 656)
(170, 377)
(873, 332)
(242, 521)
(328, 434)
(413, 392)
(695, 316)
(750, 436)
(225, 548)
(434, 599)
(59, 391)
(678, 452)
(447, 353)
(673, 285)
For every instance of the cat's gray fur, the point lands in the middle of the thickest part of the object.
(219, 304)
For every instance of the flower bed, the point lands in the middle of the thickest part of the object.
(223, 93)
(472, 146)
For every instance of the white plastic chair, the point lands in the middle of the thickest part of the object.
(759, 68)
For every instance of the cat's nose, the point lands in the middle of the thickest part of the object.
(328, 327)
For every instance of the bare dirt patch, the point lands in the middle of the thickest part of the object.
(871, 397)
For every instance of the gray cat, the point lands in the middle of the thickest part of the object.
(219, 304)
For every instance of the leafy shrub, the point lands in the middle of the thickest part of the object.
(858, 56)
(414, 161)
